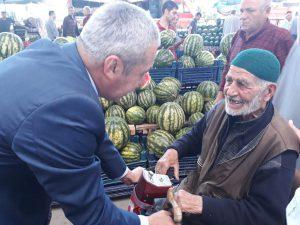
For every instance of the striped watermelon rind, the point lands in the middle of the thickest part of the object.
(118, 131)
(208, 106)
(159, 141)
(225, 43)
(205, 58)
(208, 89)
(170, 117)
(105, 103)
(166, 92)
(151, 114)
(163, 58)
(194, 118)
(135, 115)
(115, 110)
(172, 80)
(187, 61)
(167, 38)
(10, 44)
(128, 100)
(146, 99)
(193, 45)
(182, 132)
(192, 102)
(131, 152)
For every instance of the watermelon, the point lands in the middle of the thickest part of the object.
(222, 58)
(158, 141)
(205, 58)
(167, 38)
(182, 132)
(146, 99)
(208, 89)
(170, 117)
(192, 102)
(225, 43)
(172, 80)
(118, 131)
(194, 118)
(179, 99)
(208, 106)
(135, 115)
(128, 100)
(115, 110)
(63, 40)
(193, 45)
(166, 92)
(105, 103)
(163, 58)
(151, 114)
(187, 61)
(131, 152)
(10, 44)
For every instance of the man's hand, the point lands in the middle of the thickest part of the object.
(219, 97)
(169, 159)
(133, 176)
(161, 217)
(189, 203)
(296, 130)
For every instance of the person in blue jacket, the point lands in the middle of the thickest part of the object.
(53, 144)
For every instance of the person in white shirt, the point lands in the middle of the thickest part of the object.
(231, 23)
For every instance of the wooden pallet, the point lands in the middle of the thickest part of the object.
(146, 128)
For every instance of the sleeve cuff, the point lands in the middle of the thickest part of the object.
(124, 174)
(144, 220)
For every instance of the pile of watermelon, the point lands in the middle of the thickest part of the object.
(194, 54)
(10, 44)
(211, 34)
(159, 104)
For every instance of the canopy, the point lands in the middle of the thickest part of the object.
(20, 1)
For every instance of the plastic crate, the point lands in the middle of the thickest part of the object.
(157, 74)
(194, 76)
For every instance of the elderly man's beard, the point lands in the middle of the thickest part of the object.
(248, 106)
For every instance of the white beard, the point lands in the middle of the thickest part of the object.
(248, 107)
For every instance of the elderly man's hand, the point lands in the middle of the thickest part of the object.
(133, 176)
(189, 203)
(161, 217)
(169, 159)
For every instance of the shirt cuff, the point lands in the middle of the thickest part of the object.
(124, 174)
(144, 220)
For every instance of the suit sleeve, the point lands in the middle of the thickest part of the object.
(58, 142)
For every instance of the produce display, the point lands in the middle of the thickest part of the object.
(173, 114)
(10, 44)
(211, 34)
(63, 40)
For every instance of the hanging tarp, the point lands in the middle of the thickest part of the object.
(19, 1)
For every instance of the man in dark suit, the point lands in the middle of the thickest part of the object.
(53, 143)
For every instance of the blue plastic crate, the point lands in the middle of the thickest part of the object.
(194, 76)
(157, 74)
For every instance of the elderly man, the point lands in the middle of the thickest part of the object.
(53, 143)
(247, 151)
(257, 32)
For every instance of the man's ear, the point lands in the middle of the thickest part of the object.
(113, 67)
(270, 91)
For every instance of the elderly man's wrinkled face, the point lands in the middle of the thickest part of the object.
(253, 15)
(243, 95)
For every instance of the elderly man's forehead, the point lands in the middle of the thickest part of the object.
(236, 72)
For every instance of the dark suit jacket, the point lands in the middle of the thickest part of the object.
(53, 142)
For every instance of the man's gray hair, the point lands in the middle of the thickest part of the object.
(120, 29)
(264, 4)
(263, 84)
